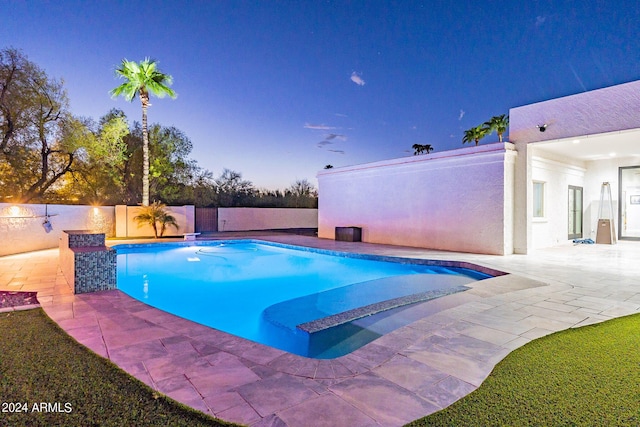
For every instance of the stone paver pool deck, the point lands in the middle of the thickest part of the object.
(409, 373)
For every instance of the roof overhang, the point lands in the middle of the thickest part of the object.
(618, 144)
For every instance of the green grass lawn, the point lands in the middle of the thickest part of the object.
(39, 362)
(588, 376)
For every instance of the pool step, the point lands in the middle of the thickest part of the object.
(368, 310)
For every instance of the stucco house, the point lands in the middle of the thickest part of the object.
(540, 189)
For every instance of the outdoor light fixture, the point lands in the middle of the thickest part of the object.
(542, 128)
(47, 224)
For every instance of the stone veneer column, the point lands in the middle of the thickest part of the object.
(87, 264)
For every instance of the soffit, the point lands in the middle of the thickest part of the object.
(595, 147)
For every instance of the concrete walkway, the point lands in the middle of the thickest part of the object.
(404, 375)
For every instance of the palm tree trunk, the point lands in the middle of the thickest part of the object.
(145, 156)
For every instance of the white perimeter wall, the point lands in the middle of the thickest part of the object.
(245, 219)
(458, 200)
(21, 227)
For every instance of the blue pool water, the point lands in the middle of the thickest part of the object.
(270, 294)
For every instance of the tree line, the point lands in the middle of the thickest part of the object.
(49, 155)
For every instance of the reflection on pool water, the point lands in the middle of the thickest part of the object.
(301, 301)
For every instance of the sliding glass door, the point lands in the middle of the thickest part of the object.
(629, 203)
(575, 212)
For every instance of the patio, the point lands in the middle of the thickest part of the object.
(409, 373)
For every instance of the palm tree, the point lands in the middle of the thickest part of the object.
(143, 79)
(475, 134)
(155, 214)
(498, 124)
(419, 149)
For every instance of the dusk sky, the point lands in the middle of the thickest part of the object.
(277, 90)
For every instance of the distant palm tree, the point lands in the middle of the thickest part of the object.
(475, 134)
(143, 79)
(419, 149)
(155, 214)
(498, 124)
(328, 166)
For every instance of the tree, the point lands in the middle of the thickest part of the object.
(232, 190)
(110, 171)
(204, 189)
(156, 214)
(269, 199)
(96, 176)
(171, 172)
(328, 166)
(419, 149)
(39, 138)
(143, 79)
(303, 194)
(16, 95)
(498, 124)
(475, 134)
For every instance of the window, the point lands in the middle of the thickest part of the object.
(538, 199)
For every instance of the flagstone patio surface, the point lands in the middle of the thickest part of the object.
(409, 373)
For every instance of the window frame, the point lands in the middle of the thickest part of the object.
(539, 212)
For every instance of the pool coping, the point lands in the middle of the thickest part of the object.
(407, 374)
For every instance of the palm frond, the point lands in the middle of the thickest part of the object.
(155, 214)
(140, 77)
(475, 134)
(498, 124)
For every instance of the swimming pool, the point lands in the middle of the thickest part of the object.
(305, 301)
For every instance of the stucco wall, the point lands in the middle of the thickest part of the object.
(457, 200)
(604, 110)
(21, 228)
(509, 200)
(245, 219)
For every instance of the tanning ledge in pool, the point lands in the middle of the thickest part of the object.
(323, 310)
(368, 310)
